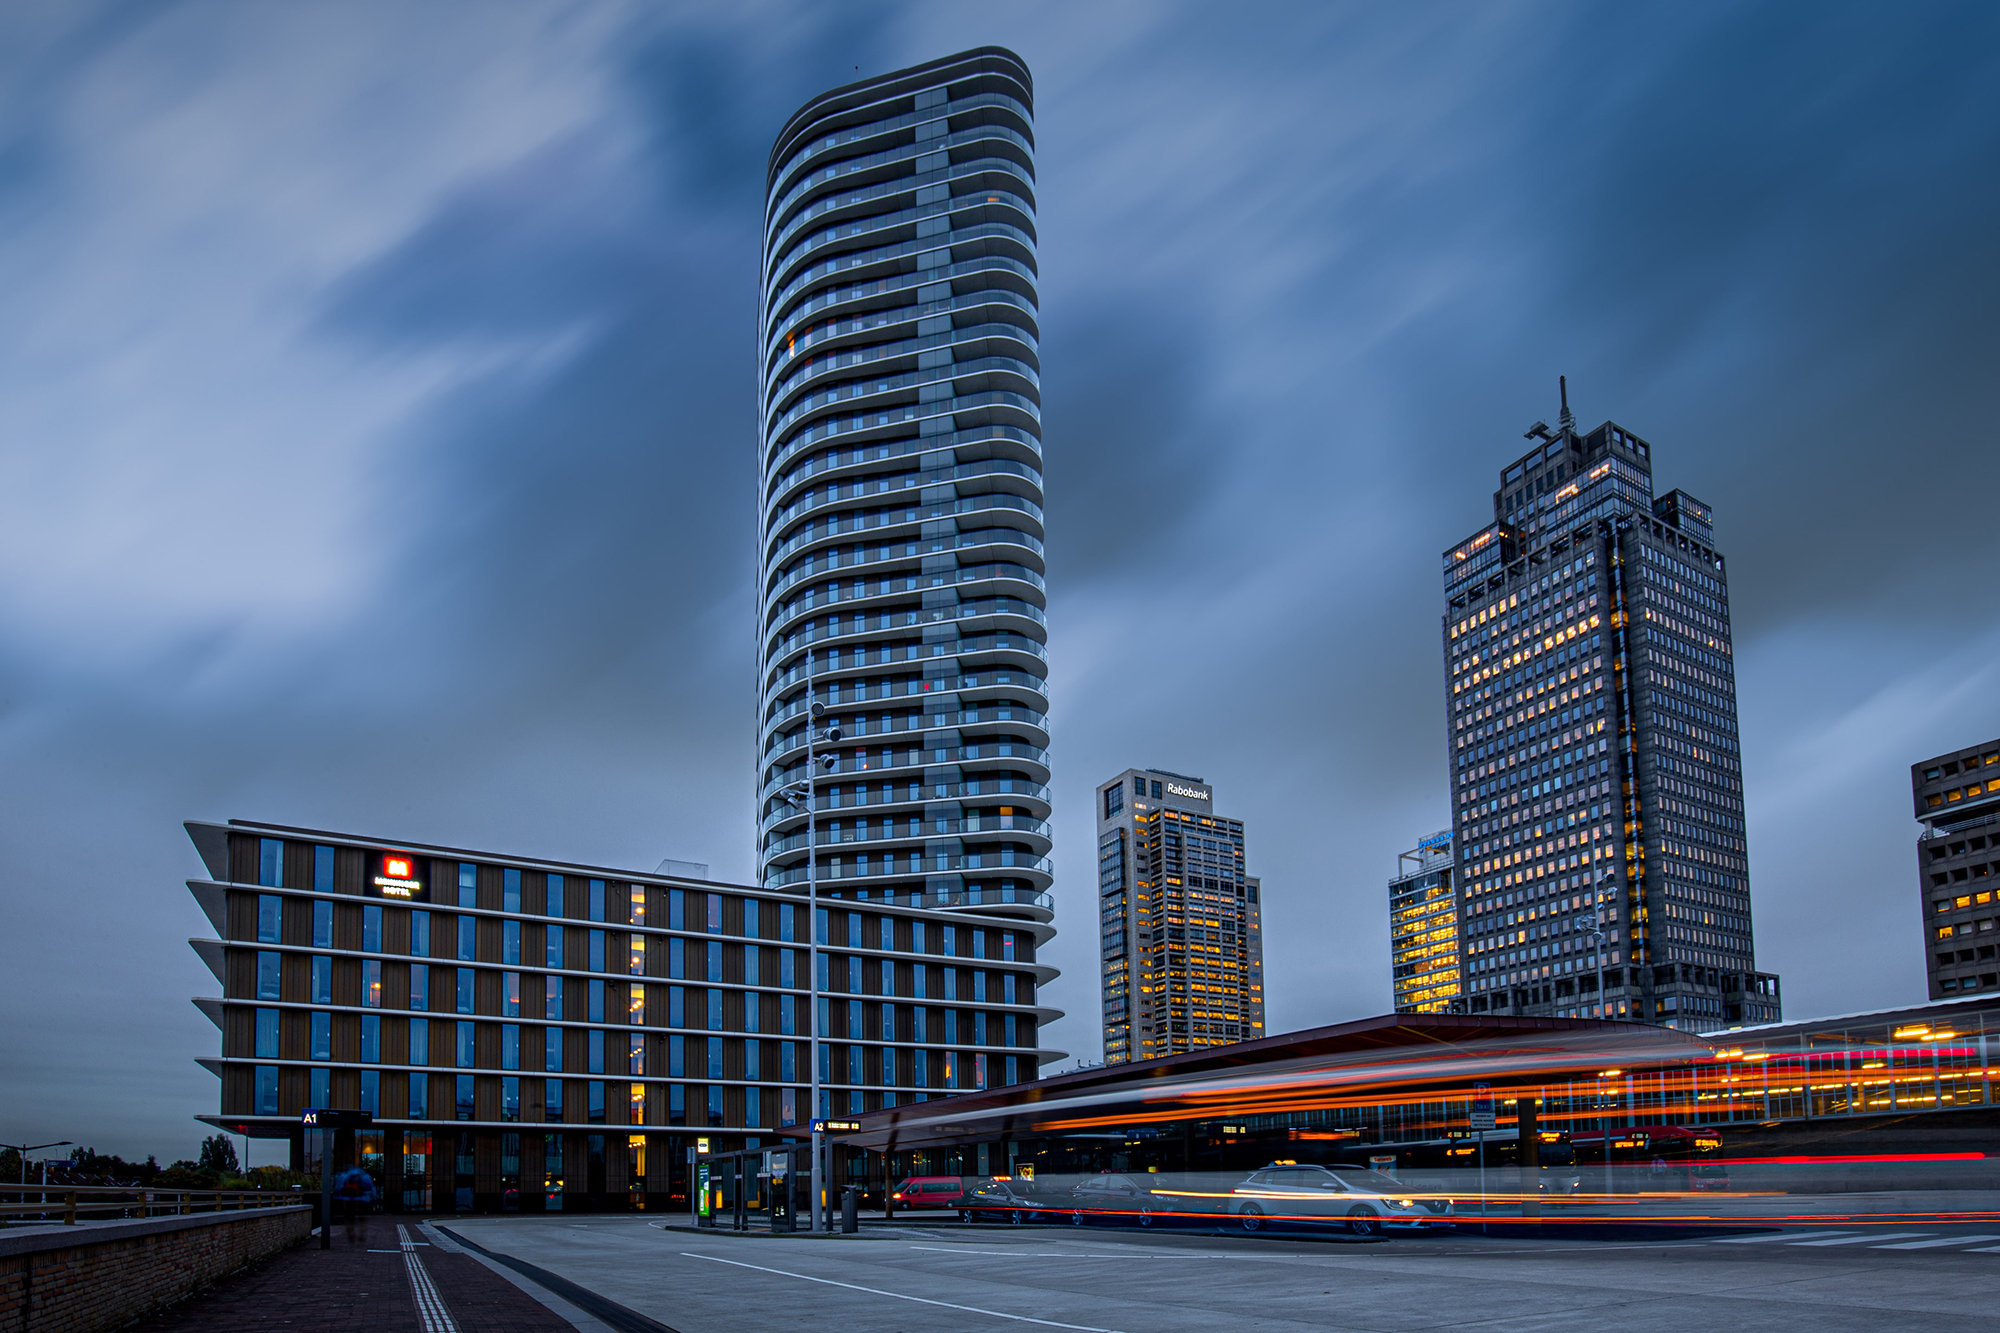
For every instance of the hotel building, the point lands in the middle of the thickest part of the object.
(536, 1034)
(1597, 782)
(1957, 798)
(1424, 957)
(1181, 928)
(901, 491)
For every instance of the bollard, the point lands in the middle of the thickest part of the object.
(849, 1202)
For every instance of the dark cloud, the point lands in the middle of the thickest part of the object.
(1305, 279)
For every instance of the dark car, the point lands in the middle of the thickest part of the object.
(1111, 1198)
(999, 1199)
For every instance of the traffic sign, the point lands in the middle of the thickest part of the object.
(1482, 1106)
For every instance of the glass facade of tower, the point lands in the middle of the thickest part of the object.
(902, 573)
(1181, 927)
(1423, 928)
(1597, 781)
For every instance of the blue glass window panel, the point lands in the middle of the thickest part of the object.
(597, 1002)
(753, 1012)
(510, 1103)
(752, 1107)
(371, 1039)
(419, 1096)
(752, 960)
(715, 1011)
(468, 939)
(371, 928)
(825, 1063)
(267, 1090)
(855, 1068)
(462, 1103)
(788, 1062)
(1007, 988)
(322, 979)
(788, 1106)
(596, 900)
(596, 1048)
(267, 1034)
(552, 998)
(677, 1104)
(787, 969)
(318, 1083)
(787, 929)
(788, 1015)
(270, 919)
(751, 911)
(888, 933)
(555, 903)
(1011, 1038)
(979, 987)
(420, 934)
(920, 1069)
(510, 994)
(825, 1028)
(918, 1026)
(596, 1108)
(676, 1057)
(465, 989)
(917, 977)
(823, 964)
(714, 913)
(468, 884)
(753, 1064)
(714, 960)
(467, 1049)
(510, 942)
(420, 987)
(597, 951)
(854, 975)
(677, 958)
(510, 890)
(714, 1105)
(552, 1050)
(510, 1045)
(552, 1107)
(715, 1057)
(888, 1022)
(635, 1054)
(371, 1091)
(323, 870)
(676, 909)
(916, 937)
(854, 930)
(322, 925)
(270, 862)
(978, 944)
(420, 1041)
(979, 1027)
(676, 1006)
(822, 919)
(854, 1020)
(950, 934)
(950, 983)
(555, 947)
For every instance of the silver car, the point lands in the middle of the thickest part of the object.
(1363, 1201)
(1109, 1198)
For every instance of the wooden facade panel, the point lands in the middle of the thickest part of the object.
(486, 939)
(293, 1089)
(298, 865)
(239, 1090)
(347, 1037)
(295, 978)
(350, 870)
(239, 971)
(298, 922)
(396, 930)
(491, 896)
(486, 1049)
(486, 992)
(240, 915)
(347, 926)
(239, 1032)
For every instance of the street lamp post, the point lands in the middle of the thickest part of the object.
(1597, 937)
(798, 795)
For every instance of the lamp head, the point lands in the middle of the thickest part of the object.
(818, 709)
(833, 735)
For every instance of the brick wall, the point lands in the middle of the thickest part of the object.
(98, 1277)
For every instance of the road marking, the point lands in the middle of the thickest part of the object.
(1862, 1239)
(1931, 1244)
(1778, 1236)
(897, 1295)
(430, 1306)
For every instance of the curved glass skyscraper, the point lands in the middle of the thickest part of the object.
(902, 491)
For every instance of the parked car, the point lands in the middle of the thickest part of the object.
(928, 1192)
(998, 1199)
(1361, 1199)
(1111, 1198)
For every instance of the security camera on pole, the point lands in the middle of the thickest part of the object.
(800, 795)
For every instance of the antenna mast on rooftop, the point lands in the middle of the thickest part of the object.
(1566, 421)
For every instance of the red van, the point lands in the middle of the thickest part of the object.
(927, 1192)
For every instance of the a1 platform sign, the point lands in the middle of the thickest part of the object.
(1482, 1107)
(319, 1117)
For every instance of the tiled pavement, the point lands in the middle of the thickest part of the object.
(363, 1288)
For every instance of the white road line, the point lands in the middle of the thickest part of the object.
(430, 1306)
(1932, 1244)
(1778, 1236)
(1986, 1249)
(897, 1295)
(1863, 1239)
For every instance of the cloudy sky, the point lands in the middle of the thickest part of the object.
(377, 440)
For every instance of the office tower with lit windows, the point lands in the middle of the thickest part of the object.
(1181, 929)
(1596, 778)
(901, 518)
(1423, 929)
(1957, 798)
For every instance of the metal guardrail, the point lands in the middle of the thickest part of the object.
(66, 1203)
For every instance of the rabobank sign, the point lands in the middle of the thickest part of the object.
(1192, 793)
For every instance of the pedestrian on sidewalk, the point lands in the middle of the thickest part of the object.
(354, 1197)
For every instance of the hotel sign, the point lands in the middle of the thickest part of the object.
(1192, 793)
(399, 875)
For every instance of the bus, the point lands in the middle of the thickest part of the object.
(1671, 1158)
